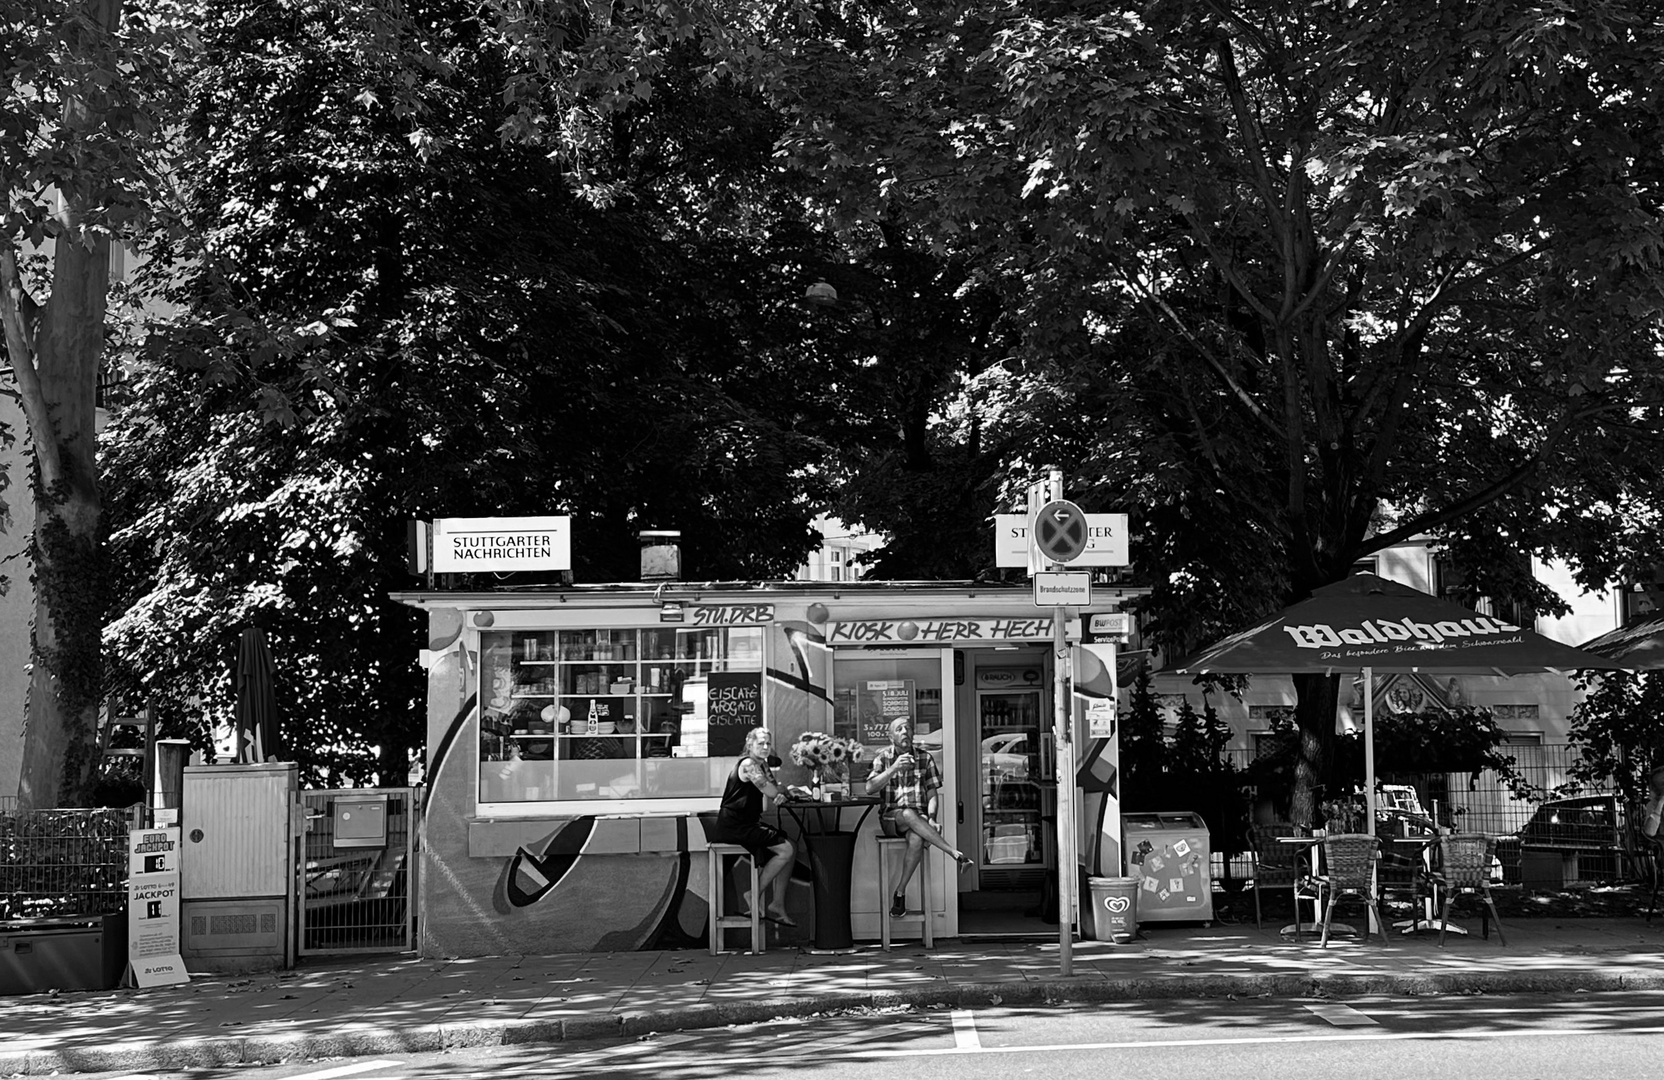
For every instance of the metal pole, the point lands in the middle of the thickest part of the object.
(1066, 859)
(1064, 771)
(1369, 749)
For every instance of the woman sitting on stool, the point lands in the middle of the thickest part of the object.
(906, 783)
(740, 821)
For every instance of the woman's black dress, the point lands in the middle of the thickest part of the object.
(740, 818)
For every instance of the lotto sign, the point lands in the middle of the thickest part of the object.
(153, 908)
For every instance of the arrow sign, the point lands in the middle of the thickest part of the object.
(1060, 531)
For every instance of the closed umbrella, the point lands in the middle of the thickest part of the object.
(256, 716)
(1366, 624)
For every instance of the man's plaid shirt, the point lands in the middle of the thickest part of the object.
(909, 787)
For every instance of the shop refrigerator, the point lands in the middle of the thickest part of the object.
(1014, 780)
(1170, 853)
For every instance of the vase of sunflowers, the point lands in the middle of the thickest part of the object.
(828, 759)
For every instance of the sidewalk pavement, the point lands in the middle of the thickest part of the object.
(392, 1004)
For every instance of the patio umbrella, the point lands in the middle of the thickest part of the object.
(256, 715)
(1369, 624)
(1638, 647)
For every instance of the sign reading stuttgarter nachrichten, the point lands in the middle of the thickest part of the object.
(476, 545)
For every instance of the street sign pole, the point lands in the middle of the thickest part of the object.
(1066, 858)
(1065, 763)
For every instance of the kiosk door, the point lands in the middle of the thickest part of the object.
(870, 688)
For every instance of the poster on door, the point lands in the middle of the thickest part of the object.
(881, 701)
(153, 957)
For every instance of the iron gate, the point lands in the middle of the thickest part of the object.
(353, 876)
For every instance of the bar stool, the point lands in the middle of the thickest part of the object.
(886, 844)
(719, 922)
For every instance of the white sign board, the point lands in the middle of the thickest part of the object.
(1100, 719)
(1106, 541)
(153, 908)
(1063, 588)
(1110, 623)
(476, 545)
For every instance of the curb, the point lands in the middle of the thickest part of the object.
(428, 1038)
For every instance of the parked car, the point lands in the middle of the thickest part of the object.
(1006, 756)
(1588, 827)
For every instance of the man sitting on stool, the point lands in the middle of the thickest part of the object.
(906, 783)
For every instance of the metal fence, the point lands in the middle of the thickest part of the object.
(1485, 802)
(356, 890)
(62, 863)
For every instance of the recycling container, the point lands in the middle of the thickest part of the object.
(1170, 854)
(1114, 908)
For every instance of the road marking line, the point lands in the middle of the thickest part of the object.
(1253, 1040)
(964, 1031)
(657, 1066)
(345, 1070)
(1341, 1015)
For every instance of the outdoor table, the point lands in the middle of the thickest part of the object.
(1429, 919)
(831, 850)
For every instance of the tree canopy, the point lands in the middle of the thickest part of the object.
(1289, 282)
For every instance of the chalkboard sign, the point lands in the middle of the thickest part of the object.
(734, 707)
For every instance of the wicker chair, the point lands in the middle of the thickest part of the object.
(1464, 866)
(1280, 865)
(1349, 868)
(1646, 856)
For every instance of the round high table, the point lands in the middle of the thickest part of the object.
(831, 849)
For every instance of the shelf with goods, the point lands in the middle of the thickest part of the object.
(538, 690)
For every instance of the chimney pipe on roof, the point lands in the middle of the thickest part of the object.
(661, 554)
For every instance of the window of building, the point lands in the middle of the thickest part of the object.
(1522, 738)
(1642, 601)
(583, 715)
(1370, 565)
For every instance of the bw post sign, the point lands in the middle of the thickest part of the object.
(474, 545)
(153, 957)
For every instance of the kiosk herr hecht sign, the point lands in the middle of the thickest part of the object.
(471, 545)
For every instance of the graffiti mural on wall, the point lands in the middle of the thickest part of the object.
(588, 883)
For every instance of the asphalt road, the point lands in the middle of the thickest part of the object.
(1563, 1038)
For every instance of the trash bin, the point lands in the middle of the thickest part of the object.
(1114, 908)
(1171, 855)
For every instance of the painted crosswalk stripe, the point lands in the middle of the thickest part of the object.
(1340, 1015)
(964, 1031)
(345, 1070)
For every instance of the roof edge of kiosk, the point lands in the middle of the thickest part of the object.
(532, 596)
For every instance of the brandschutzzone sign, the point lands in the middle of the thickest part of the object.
(474, 545)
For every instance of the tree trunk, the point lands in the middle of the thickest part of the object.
(55, 351)
(1318, 696)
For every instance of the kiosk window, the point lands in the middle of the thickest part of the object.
(568, 715)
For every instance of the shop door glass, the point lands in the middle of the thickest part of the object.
(1012, 778)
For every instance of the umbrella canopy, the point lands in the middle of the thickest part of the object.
(256, 716)
(1367, 623)
(1639, 646)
